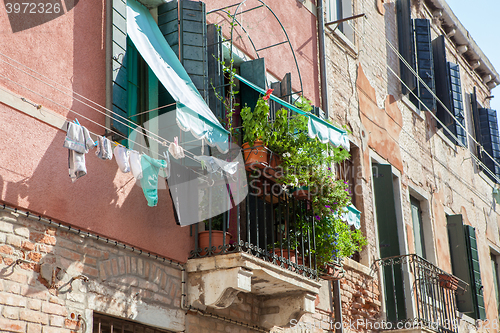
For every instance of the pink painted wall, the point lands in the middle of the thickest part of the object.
(264, 30)
(70, 49)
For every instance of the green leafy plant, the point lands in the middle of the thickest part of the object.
(256, 123)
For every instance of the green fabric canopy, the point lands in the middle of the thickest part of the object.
(193, 114)
(323, 130)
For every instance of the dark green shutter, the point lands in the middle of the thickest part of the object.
(476, 285)
(457, 105)
(283, 90)
(418, 231)
(119, 66)
(385, 206)
(489, 139)
(183, 24)
(215, 57)
(449, 91)
(425, 64)
(255, 72)
(465, 265)
(406, 44)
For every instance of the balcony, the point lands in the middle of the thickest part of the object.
(264, 246)
(419, 297)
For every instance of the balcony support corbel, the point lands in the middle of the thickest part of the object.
(218, 288)
(282, 311)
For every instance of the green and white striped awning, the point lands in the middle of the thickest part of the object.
(323, 130)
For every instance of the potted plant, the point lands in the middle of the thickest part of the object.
(448, 281)
(218, 236)
(255, 130)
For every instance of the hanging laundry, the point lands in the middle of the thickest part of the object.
(149, 181)
(135, 164)
(78, 142)
(165, 172)
(122, 158)
(214, 164)
(104, 150)
(176, 150)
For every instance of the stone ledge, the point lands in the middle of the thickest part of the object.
(215, 282)
(354, 265)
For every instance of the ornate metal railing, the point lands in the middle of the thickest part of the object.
(419, 294)
(271, 224)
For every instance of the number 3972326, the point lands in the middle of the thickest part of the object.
(33, 8)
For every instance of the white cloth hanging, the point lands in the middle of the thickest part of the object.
(176, 150)
(122, 158)
(135, 164)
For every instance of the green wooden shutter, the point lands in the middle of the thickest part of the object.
(449, 91)
(406, 44)
(389, 240)
(255, 72)
(283, 90)
(465, 265)
(494, 269)
(119, 66)
(418, 232)
(475, 272)
(442, 80)
(215, 71)
(457, 105)
(184, 26)
(425, 64)
(489, 139)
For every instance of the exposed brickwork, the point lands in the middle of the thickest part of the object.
(31, 301)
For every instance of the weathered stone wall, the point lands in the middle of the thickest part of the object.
(37, 295)
(366, 97)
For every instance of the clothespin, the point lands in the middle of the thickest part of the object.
(176, 141)
(76, 122)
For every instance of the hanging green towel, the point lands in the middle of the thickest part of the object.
(149, 181)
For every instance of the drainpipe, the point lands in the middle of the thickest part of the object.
(337, 301)
(322, 58)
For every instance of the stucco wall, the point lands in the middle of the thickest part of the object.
(366, 97)
(70, 50)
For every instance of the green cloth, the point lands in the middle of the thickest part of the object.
(149, 181)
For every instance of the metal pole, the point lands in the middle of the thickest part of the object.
(322, 58)
(337, 304)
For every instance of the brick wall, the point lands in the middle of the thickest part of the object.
(37, 295)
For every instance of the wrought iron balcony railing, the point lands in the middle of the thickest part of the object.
(419, 294)
(270, 224)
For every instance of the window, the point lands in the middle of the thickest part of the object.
(494, 270)
(337, 10)
(135, 88)
(465, 265)
(418, 228)
(106, 324)
(449, 92)
(486, 132)
(406, 45)
(388, 227)
(414, 38)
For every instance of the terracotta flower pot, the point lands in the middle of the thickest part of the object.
(293, 258)
(217, 240)
(274, 169)
(448, 281)
(256, 156)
